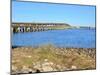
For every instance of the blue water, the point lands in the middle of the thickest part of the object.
(76, 38)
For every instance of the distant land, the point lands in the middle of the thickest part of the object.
(35, 26)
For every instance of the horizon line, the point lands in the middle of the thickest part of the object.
(57, 23)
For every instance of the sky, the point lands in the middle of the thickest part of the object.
(75, 15)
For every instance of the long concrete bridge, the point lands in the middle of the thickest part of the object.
(32, 27)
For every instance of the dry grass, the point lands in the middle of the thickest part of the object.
(62, 58)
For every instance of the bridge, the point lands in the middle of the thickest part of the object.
(33, 27)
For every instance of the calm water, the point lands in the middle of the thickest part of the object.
(77, 38)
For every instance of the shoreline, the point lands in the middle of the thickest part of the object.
(51, 45)
(49, 59)
(87, 50)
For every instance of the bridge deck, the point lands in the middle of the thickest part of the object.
(29, 27)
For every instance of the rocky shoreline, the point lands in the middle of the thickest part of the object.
(50, 59)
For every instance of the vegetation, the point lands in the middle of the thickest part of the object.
(49, 58)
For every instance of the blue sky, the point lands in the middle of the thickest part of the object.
(75, 15)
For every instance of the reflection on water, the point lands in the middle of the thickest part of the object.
(77, 38)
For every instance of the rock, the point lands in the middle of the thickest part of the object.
(47, 66)
(58, 66)
(25, 69)
(73, 67)
(37, 65)
(44, 66)
(29, 56)
(38, 71)
(45, 60)
(14, 68)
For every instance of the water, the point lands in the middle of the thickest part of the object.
(77, 38)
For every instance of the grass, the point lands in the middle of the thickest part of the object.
(62, 58)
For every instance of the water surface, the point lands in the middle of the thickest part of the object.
(77, 38)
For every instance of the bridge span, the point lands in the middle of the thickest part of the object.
(32, 27)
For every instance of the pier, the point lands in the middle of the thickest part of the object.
(33, 27)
